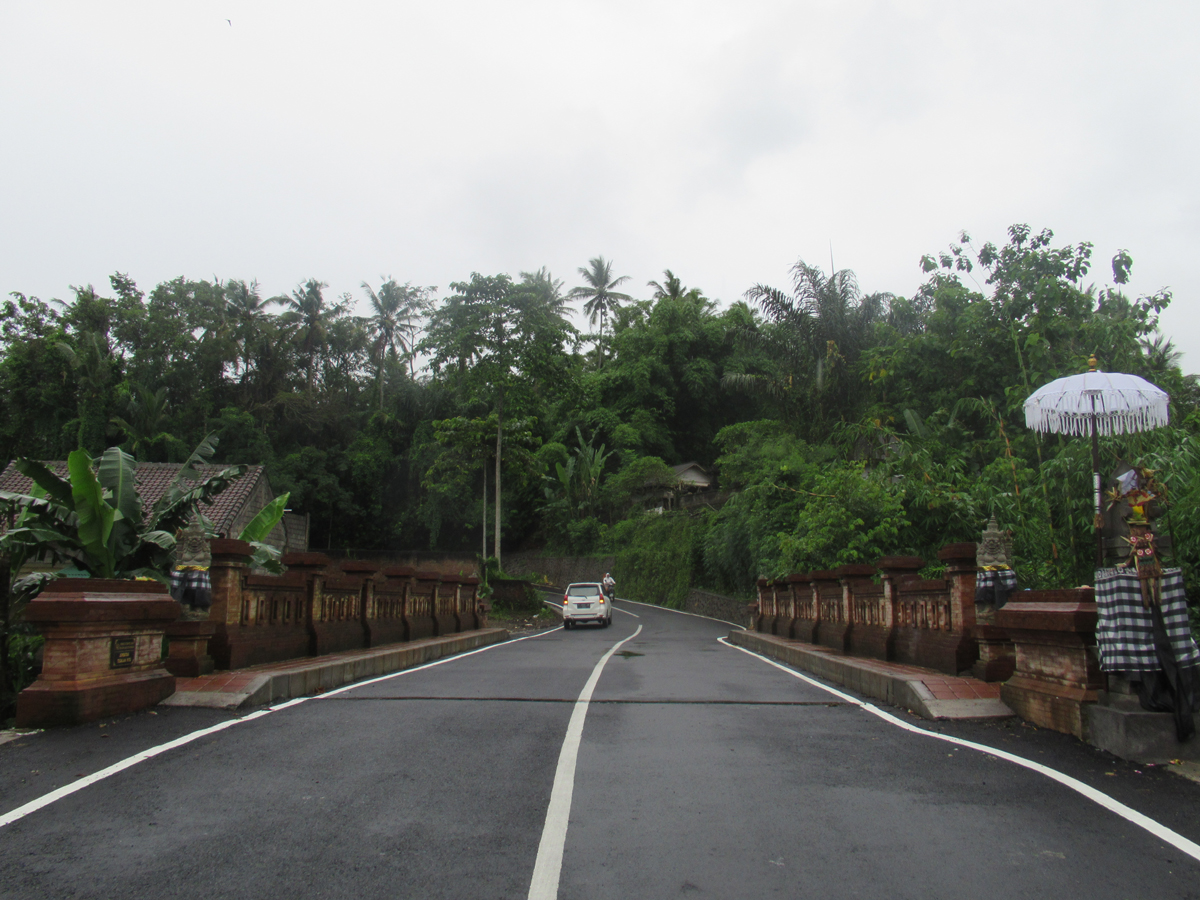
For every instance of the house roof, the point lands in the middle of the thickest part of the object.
(152, 480)
(693, 473)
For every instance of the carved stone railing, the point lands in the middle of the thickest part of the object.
(881, 611)
(421, 599)
(316, 608)
(831, 610)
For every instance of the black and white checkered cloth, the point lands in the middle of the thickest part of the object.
(994, 586)
(192, 587)
(1125, 633)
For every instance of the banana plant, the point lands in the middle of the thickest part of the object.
(256, 531)
(95, 519)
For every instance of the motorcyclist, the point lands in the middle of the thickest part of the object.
(609, 586)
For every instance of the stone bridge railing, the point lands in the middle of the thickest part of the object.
(1042, 644)
(318, 607)
(882, 611)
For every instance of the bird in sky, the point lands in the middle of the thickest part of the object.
(230, 23)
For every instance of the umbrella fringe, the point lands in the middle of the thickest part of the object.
(1108, 422)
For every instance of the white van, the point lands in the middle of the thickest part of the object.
(585, 602)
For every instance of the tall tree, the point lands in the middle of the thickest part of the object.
(310, 317)
(598, 295)
(394, 309)
(821, 330)
(493, 341)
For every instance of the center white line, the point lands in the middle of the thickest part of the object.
(548, 868)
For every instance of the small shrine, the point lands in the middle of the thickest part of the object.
(995, 580)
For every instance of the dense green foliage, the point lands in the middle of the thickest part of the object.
(842, 426)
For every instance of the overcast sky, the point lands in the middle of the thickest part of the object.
(349, 141)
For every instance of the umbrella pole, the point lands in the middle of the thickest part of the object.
(1098, 522)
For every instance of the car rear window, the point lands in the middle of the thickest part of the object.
(583, 590)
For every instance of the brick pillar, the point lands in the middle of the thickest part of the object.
(960, 572)
(103, 650)
(893, 570)
(227, 571)
(478, 608)
(1057, 667)
(808, 610)
(763, 619)
(312, 567)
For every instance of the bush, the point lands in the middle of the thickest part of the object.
(655, 557)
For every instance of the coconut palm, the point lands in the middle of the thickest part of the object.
(598, 294)
(248, 311)
(310, 318)
(823, 327)
(672, 289)
(394, 311)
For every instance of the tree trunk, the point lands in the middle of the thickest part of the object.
(499, 434)
(484, 509)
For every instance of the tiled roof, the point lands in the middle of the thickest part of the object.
(152, 481)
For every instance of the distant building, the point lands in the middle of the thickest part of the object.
(693, 476)
(230, 512)
(694, 486)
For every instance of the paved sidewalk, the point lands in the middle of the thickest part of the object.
(273, 682)
(931, 694)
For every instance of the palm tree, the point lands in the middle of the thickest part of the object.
(384, 325)
(824, 325)
(249, 313)
(672, 289)
(146, 423)
(598, 294)
(393, 311)
(310, 319)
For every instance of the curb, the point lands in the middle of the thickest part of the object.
(867, 677)
(321, 675)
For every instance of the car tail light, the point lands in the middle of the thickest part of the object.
(565, 600)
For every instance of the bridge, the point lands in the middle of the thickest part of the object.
(651, 759)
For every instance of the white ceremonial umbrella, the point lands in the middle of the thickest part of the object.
(1097, 403)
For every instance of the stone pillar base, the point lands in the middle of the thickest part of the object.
(1057, 707)
(188, 656)
(103, 651)
(42, 705)
(997, 657)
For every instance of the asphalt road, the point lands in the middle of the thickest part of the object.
(701, 770)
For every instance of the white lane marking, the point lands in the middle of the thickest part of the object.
(1160, 831)
(67, 789)
(627, 612)
(548, 867)
(684, 613)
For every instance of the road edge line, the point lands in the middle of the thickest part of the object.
(1160, 831)
(66, 790)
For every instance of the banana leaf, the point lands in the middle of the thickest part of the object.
(95, 515)
(268, 517)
